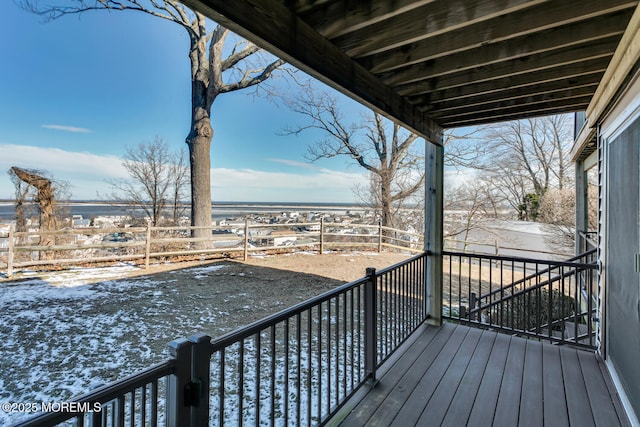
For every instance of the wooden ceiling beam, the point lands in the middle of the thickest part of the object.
(540, 18)
(519, 47)
(270, 24)
(439, 17)
(544, 109)
(336, 18)
(571, 57)
(583, 73)
(509, 88)
(495, 103)
(497, 107)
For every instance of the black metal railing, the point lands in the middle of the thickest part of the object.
(543, 299)
(296, 367)
(137, 400)
(299, 366)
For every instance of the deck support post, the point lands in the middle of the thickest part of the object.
(370, 323)
(434, 175)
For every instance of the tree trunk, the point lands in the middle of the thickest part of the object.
(385, 201)
(200, 135)
(46, 205)
(199, 143)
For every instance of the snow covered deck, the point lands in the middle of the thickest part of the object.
(458, 375)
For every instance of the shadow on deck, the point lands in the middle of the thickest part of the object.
(457, 375)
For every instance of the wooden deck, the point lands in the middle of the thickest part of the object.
(457, 375)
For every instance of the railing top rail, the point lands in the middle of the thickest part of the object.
(568, 263)
(105, 393)
(401, 263)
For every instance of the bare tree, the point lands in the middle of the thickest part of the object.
(179, 179)
(216, 68)
(156, 179)
(474, 202)
(46, 194)
(383, 149)
(525, 158)
(557, 210)
(21, 193)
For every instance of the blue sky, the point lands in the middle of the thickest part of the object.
(75, 92)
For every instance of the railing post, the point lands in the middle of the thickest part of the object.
(178, 410)
(11, 253)
(147, 246)
(472, 305)
(321, 235)
(200, 374)
(246, 238)
(370, 325)
(380, 236)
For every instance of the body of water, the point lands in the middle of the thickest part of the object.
(221, 210)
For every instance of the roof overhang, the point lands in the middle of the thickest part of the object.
(434, 64)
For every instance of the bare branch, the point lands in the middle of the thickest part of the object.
(394, 176)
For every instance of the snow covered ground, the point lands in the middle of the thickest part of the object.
(64, 333)
(67, 332)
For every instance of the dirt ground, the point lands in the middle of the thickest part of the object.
(262, 285)
(89, 325)
(182, 298)
(343, 266)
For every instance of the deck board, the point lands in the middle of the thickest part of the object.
(602, 406)
(435, 410)
(456, 375)
(575, 389)
(408, 413)
(554, 410)
(462, 402)
(486, 400)
(431, 341)
(531, 398)
(508, 407)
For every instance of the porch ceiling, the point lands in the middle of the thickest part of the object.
(435, 64)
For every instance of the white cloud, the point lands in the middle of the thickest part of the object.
(67, 128)
(87, 173)
(294, 163)
(324, 185)
(455, 178)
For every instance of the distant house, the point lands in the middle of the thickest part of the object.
(77, 221)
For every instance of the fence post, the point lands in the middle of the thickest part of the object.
(379, 236)
(246, 238)
(11, 251)
(321, 235)
(200, 374)
(370, 326)
(178, 410)
(147, 246)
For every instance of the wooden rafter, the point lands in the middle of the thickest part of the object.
(271, 24)
(443, 63)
